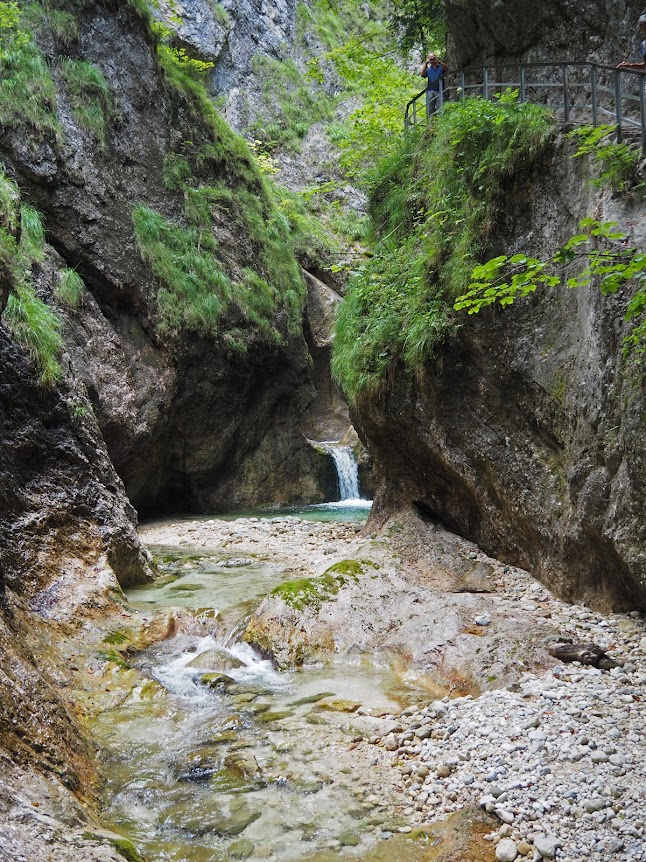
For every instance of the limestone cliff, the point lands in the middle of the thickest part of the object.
(525, 434)
(180, 413)
(485, 31)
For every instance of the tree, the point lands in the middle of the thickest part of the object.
(419, 24)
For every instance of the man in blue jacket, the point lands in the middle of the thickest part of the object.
(433, 70)
(642, 49)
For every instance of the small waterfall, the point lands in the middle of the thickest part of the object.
(346, 468)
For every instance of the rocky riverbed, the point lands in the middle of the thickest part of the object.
(554, 754)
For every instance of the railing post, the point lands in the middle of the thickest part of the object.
(462, 84)
(618, 104)
(566, 94)
(522, 83)
(593, 86)
(415, 112)
(642, 111)
(485, 82)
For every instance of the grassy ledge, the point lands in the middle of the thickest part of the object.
(433, 205)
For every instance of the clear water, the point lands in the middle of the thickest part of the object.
(352, 511)
(259, 769)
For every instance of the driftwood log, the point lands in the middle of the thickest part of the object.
(584, 653)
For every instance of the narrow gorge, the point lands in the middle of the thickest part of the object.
(322, 485)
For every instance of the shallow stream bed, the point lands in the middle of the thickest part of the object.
(216, 755)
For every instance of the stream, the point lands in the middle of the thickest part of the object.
(255, 764)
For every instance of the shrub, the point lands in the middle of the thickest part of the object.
(617, 163)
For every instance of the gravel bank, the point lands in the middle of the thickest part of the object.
(560, 762)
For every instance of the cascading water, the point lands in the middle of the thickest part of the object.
(347, 470)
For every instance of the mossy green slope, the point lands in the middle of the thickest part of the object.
(432, 207)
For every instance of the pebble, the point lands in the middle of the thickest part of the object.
(506, 850)
(547, 845)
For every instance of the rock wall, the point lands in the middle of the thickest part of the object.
(179, 419)
(601, 31)
(525, 434)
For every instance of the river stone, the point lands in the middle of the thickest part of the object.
(236, 563)
(215, 659)
(506, 850)
(547, 845)
(391, 743)
(216, 680)
(349, 838)
(276, 715)
(235, 823)
(245, 765)
(592, 805)
(241, 849)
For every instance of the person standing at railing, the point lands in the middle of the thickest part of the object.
(433, 70)
(642, 49)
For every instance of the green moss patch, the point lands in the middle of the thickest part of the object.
(312, 592)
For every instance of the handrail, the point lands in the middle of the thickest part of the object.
(580, 91)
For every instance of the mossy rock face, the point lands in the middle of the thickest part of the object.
(126, 849)
(312, 592)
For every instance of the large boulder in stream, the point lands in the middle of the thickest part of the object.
(429, 605)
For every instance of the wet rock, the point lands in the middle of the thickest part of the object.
(215, 659)
(243, 848)
(237, 563)
(217, 680)
(583, 653)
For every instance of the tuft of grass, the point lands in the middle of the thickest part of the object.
(9, 203)
(70, 288)
(43, 19)
(27, 91)
(32, 233)
(31, 322)
(89, 95)
(433, 204)
(36, 327)
(176, 171)
(221, 16)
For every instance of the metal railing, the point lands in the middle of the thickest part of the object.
(578, 93)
